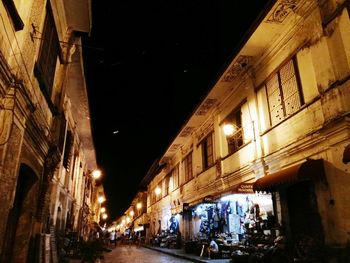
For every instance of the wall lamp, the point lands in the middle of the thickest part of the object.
(157, 190)
(96, 174)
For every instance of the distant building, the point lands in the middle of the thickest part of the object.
(284, 102)
(46, 147)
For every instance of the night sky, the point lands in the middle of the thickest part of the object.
(148, 65)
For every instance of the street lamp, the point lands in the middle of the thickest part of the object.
(101, 199)
(96, 174)
(131, 213)
(104, 216)
(103, 209)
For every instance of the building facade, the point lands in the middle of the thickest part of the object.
(45, 136)
(274, 126)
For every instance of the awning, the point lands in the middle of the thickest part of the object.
(346, 154)
(310, 169)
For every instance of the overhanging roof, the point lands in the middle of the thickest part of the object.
(78, 14)
(307, 170)
(77, 92)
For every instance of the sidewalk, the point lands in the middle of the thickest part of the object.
(180, 253)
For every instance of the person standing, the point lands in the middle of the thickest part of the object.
(113, 238)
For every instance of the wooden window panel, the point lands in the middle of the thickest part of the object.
(283, 93)
(208, 156)
(68, 150)
(45, 66)
(14, 15)
(188, 167)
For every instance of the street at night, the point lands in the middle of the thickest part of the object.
(184, 131)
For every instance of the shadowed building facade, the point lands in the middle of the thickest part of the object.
(46, 147)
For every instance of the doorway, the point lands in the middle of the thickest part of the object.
(304, 218)
(19, 222)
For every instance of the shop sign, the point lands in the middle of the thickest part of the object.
(245, 188)
(208, 198)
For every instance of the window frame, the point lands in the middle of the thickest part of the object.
(166, 185)
(236, 140)
(175, 174)
(207, 158)
(49, 52)
(282, 104)
(188, 167)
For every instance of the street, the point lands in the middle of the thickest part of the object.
(136, 254)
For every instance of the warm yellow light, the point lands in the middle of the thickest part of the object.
(127, 219)
(229, 129)
(123, 222)
(101, 199)
(96, 174)
(138, 205)
(103, 209)
(158, 191)
(104, 216)
(131, 213)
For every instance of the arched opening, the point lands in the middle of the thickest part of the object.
(59, 219)
(19, 222)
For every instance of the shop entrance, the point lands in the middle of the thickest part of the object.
(305, 220)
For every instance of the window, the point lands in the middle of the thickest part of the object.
(63, 124)
(158, 196)
(166, 185)
(187, 164)
(283, 92)
(14, 15)
(153, 196)
(45, 66)
(68, 150)
(233, 130)
(175, 176)
(207, 151)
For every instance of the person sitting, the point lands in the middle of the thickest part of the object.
(213, 249)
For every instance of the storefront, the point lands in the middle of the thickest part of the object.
(233, 220)
(169, 228)
(233, 216)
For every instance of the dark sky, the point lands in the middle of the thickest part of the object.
(148, 65)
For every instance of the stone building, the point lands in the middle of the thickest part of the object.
(46, 145)
(284, 101)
